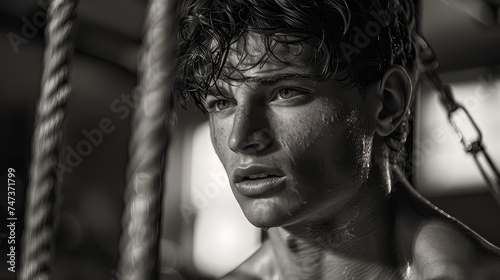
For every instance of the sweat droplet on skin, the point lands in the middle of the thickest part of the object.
(367, 154)
(353, 117)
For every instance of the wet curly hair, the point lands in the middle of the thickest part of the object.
(357, 40)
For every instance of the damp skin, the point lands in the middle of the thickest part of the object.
(281, 113)
(338, 215)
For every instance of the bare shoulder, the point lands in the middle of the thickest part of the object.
(256, 267)
(441, 247)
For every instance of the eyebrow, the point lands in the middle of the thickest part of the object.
(262, 81)
(276, 78)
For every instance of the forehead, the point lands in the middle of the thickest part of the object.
(255, 54)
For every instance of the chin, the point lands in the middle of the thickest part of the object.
(268, 216)
(263, 223)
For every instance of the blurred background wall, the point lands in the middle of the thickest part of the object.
(204, 232)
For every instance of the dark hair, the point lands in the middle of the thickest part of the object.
(357, 40)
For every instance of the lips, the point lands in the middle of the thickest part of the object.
(256, 180)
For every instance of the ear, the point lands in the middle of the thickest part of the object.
(388, 100)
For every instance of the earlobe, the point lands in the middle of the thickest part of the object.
(394, 94)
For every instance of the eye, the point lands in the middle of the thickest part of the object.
(221, 105)
(217, 105)
(288, 93)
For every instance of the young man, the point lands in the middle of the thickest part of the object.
(308, 104)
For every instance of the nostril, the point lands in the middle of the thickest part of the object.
(266, 134)
(253, 148)
(262, 137)
(252, 144)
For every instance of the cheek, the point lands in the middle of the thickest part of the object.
(219, 133)
(327, 143)
(304, 129)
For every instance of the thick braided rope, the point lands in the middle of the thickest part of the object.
(150, 135)
(41, 194)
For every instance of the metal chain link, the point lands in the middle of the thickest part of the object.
(475, 146)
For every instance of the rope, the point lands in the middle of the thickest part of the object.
(47, 139)
(150, 134)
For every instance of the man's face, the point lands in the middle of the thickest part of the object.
(296, 148)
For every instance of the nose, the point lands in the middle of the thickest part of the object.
(251, 132)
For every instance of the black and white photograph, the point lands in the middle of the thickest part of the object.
(250, 139)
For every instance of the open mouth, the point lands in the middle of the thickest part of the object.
(259, 184)
(259, 176)
(257, 179)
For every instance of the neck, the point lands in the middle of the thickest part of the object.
(359, 235)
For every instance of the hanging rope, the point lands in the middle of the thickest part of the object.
(150, 135)
(42, 194)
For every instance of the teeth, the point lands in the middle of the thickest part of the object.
(258, 176)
